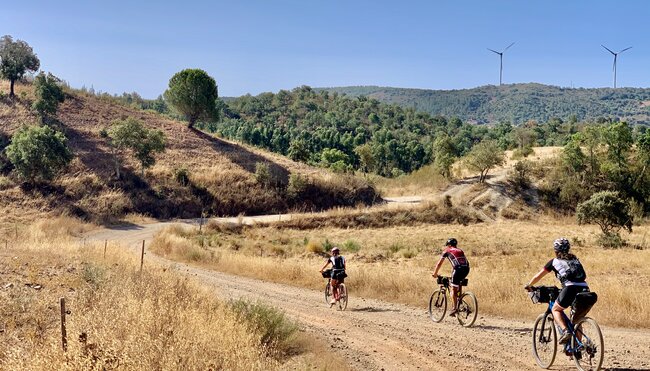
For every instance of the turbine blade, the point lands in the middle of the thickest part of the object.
(508, 47)
(607, 49)
(624, 50)
(493, 51)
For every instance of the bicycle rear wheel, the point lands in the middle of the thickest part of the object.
(343, 297)
(588, 345)
(437, 305)
(544, 341)
(467, 309)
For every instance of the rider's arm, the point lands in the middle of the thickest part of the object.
(438, 265)
(325, 266)
(537, 277)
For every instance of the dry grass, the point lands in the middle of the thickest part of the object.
(425, 180)
(504, 256)
(123, 319)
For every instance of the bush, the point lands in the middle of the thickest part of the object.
(314, 247)
(38, 153)
(351, 246)
(523, 152)
(610, 212)
(263, 174)
(275, 330)
(611, 240)
(181, 175)
(297, 185)
(48, 93)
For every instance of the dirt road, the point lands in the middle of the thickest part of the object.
(376, 335)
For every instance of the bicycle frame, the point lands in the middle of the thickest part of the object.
(569, 350)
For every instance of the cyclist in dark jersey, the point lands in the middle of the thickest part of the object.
(569, 271)
(338, 272)
(460, 269)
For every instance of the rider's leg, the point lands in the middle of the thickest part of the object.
(558, 316)
(335, 289)
(455, 292)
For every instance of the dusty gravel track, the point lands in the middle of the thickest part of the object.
(375, 335)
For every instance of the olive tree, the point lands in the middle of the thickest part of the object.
(193, 93)
(609, 211)
(16, 58)
(38, 153)
(131, 136)
(483, 157)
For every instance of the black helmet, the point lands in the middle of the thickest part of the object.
(451, 242)
(561, 245)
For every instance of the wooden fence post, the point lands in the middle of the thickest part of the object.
(64, 340)
(105, 243)
(142, 256)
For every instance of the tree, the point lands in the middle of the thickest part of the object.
(608, 210)
(193, 93)
(16, 58)
(48, 94)
(483, 157)
(298, 150)
(366, 160)
(444, 155)
(131, 135)
(38, 153)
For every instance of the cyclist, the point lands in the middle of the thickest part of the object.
(338, 271)
(460, 269)
(569, 271)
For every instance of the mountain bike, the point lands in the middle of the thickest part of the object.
(586, 345)
(342, 300)
(467, 303)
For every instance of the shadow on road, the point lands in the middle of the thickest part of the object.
(373, 310)
(500, 328)
(125, 226)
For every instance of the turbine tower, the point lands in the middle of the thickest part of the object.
(615, 57)
(501, 61)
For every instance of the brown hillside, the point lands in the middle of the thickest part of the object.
(222, 173)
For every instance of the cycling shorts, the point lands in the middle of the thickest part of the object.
(568, 295)
(459, 274)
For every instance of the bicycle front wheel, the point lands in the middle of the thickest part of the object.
(328, 293)
(544, 340)
(467, 309)
(588, 345)
(437, 305)
(343, 297)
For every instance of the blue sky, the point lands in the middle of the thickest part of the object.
(253, 46)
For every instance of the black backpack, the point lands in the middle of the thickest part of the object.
(575, 273)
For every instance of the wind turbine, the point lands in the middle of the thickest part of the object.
(615, 56)
(501, 60)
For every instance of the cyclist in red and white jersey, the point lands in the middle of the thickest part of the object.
(460, 269)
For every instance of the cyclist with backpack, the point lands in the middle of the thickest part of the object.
(338, 271)
(569, 271)
(460, 269)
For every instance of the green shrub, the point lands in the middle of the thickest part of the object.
(49, 94)
(351, 246)
(181, 175)
(263, 174)
(275, 331)
(611, 240)
(38, 153)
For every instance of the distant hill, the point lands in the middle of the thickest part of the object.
(516, 103)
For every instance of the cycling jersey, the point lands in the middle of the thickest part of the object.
(456, 257)
(569, 272)
(338, 262)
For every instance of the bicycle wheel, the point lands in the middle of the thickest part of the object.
(544, 341)
(328, 293)
(343, 297)
(437, 305)
(467, 309)
(588, 345)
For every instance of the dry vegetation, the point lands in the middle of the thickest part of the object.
(394, 263)
(220, 175)
(121, 318)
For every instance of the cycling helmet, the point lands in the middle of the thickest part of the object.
(561, 245)
(335, 249)
(451, 242)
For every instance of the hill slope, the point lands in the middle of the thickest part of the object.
(222, 177)
(516, 103)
